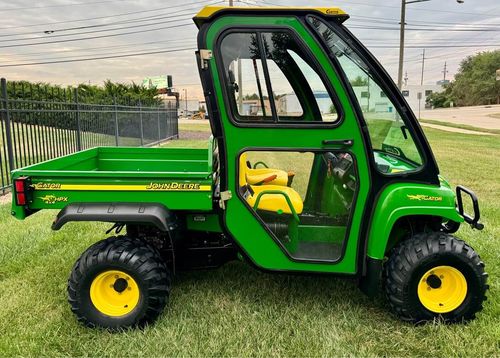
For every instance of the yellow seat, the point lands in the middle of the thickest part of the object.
(262, 176)
(276, 200)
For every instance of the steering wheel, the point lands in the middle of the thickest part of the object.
(341, 166)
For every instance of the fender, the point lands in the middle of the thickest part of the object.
(128, 213)
(399, 200)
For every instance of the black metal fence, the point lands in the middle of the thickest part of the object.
(35, 130)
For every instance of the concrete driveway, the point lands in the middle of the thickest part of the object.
(477, 116)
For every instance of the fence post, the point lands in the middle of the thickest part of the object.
(6, 119)
(141, 124)
(116, 121)
(78, 124)
(159, 126)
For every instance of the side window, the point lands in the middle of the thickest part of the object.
(269, 77)
(284, 53)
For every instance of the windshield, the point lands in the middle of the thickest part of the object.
(393, 145)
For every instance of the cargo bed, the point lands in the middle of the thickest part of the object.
(179, 178)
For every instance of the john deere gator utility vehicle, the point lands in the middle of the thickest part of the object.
(316, 165)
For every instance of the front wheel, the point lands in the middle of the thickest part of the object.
(118, 283)
(435, 275)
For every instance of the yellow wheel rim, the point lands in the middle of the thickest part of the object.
(442, 289)
(114, 293)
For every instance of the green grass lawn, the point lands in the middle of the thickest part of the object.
(236, 310)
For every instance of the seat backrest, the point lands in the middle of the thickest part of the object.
(243, 170)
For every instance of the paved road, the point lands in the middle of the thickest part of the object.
(477, 116)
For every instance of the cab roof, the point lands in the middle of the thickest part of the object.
(208, 13)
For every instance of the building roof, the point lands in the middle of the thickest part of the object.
(209, 12)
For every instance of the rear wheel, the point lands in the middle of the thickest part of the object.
(117, 283)
(435, 275)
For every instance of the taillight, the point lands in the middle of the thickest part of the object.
(21, 198)
(21, 187)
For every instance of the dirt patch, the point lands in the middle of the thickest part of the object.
(5, 199)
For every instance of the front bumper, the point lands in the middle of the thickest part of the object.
(474, 219)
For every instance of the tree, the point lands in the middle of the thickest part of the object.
(125, 94)
(253, 96)
(475, 83)
(359, 81)
(441, 99)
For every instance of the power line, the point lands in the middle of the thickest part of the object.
(418, 21)
(396, 7)
(97, 31)
(97, 37)
(421, 29)
(433, 46)
(95, 48)
(125, 21)
(97, 58)
(99, 54)
(105, 17)
(148, 18)
(62, 5)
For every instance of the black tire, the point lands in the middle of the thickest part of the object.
(138, 261)
(413, 258)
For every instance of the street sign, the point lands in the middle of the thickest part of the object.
(158, 82)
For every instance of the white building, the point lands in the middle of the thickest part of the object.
(192, 106)
(290, 104)
(375, 100)
(412, 93)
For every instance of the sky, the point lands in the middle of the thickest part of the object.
(52, 30)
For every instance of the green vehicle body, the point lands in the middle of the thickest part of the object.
(201, 187)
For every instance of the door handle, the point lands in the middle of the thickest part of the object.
(342, 142)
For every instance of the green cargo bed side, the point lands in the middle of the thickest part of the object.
(179, 178)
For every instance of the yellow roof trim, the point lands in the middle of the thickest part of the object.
(209, 11)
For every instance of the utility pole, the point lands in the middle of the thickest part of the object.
(231, 3)
(445, 71)
(186, 102)
(402, 36)
(401, 44)
(423, 64)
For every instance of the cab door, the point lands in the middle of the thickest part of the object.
(291, 149)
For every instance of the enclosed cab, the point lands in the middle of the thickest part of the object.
(317, 165)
